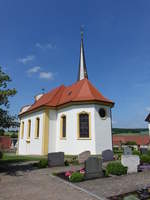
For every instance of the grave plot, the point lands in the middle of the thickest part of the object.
(92, 169)
(141, 194)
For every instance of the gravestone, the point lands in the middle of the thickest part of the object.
(130, 161)
(82, 157)
(127, 151)
(93, 168)
(143, 150)
(56, 159)
(107, 155)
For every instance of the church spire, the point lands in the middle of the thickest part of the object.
(82, 65)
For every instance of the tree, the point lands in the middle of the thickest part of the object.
(6, 120)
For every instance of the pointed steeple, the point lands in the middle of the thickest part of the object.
(82, 73)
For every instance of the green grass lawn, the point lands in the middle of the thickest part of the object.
(13, 158)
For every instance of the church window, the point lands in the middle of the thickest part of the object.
(84, 125)
(22, 130)
(37, 127)
(29, 129)
(63, 126)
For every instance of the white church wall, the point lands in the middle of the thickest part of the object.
(52, 131)
(34, 147)
(103, 130)
(71, 144)
(149, 127)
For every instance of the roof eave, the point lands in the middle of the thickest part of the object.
(111, 104)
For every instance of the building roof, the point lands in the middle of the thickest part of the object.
(82, 73)
(148, 118)
(81, 91)
(139, 139)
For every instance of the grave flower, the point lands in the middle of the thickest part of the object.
(82, 171)
(68, 173)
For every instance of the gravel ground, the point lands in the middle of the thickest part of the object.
(35, 184)
(116, 185)
(38, 185)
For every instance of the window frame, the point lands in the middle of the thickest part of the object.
(22, 129)
(37, 128)
(29, 130)
(78, 126)
(61, 126)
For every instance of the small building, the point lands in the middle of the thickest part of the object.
(148, 120)
(71, 119)
(140, 140)
(5, 142)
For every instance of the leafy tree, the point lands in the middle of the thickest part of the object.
(6, 120)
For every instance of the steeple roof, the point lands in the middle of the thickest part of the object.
(80, 92)
(82, 73)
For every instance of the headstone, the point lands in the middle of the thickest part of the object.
(56, 159)
(130, 161)
(143, 150)
(82, 157)
(107, 155)
(127, 151)
(93, 168)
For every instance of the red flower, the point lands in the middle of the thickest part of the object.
(68, 173)
(82, 171)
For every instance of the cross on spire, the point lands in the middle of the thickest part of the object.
(82, 73)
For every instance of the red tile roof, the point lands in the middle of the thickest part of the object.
(80, 91)
(139, 139)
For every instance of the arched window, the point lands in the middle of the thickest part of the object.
(84, 125)
(22, 130)
(37, 127)
(63, 126)
(29, 129)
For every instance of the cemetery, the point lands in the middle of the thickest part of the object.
(103, 165)
(103, 175)
(106, 166)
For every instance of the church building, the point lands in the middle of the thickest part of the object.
(70, 119)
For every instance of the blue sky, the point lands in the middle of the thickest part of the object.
(39, 48)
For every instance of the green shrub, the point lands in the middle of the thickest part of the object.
(43, 163)
(2, 132)
(145, 158)
(1, 155)
(116, 168)
(148, 152)
(130, 143)
(116, 150)
(135, 152)
(76, 177)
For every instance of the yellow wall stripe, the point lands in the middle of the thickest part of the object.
(45, 132)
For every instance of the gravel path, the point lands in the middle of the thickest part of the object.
(116, 185)
(35, 184)
(38, 185)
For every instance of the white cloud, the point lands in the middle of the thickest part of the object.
(33, 70)
(45, 46)
(47, 75)
(26, 59)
